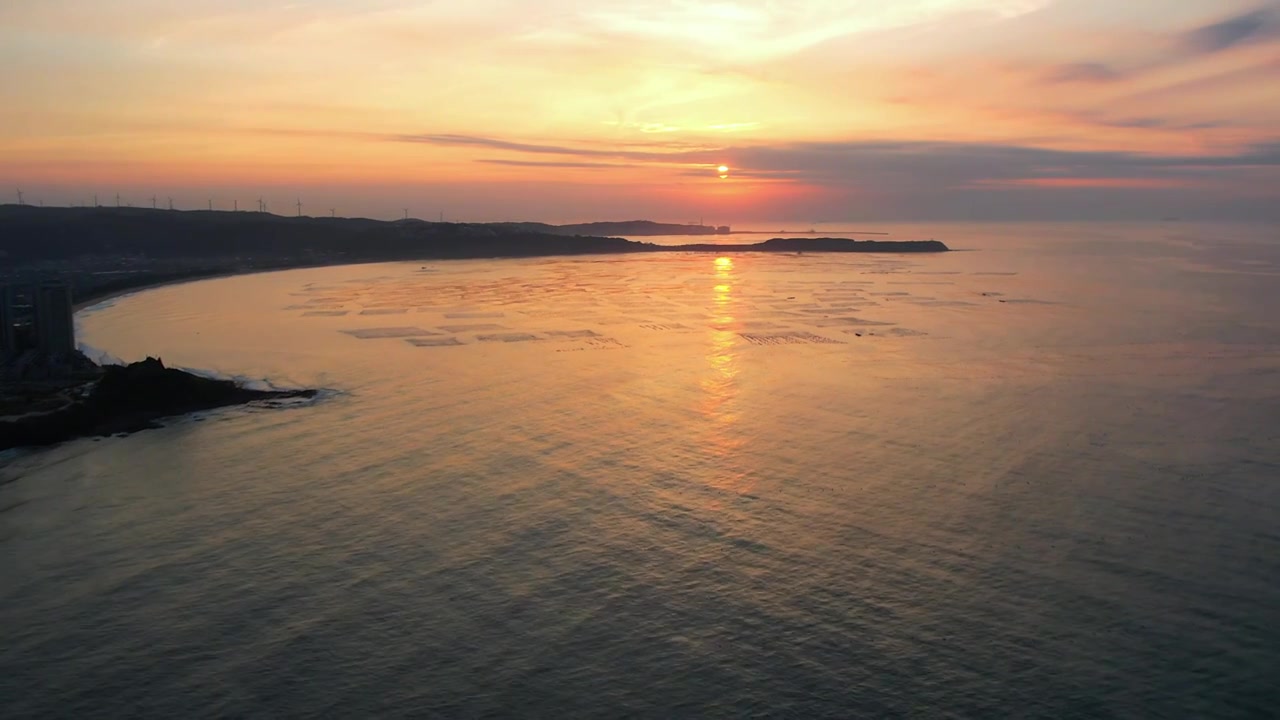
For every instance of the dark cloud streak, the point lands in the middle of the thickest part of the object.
(654, 152)
(471, 140)
(554, 164)
(896, 164)
(1259, 24)
(1084, 72)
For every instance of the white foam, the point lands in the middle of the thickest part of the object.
(101, 357)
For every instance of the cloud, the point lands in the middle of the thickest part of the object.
(553, 163)
(907, 166)
(654, 152)
(959, 163)
(496, 144)
(1142, 123)
(1243, 81)
(761, 31)
(1176, 49)
(1083, 72)
(1156, 123)
(1090, 182)
(1259, 24)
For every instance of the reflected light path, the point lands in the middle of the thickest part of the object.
(721, 439)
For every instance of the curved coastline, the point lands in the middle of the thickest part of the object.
(84, 407)
(133, 286)
(142, 283)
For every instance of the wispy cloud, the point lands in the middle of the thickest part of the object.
(1178, 48)
(1089, 182)
(655, 152)
(555, 164)
(749, 30)
(910, 163)
(496, 144)
(989, 96)
(1083, 72)
(1260, 24)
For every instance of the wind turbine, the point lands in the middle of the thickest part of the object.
(262, 206)
(153, 202)
(19, 196)
(170, 203)
(235, 205)
(95, 200)
(211, 204)
(299, 207)
(406, 213)
(117, 199)
(331, 214)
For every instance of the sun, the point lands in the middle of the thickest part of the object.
(723, 170)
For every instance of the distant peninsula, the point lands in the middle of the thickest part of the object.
(101, 251)
(822, 244)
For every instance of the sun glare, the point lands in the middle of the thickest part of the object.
(723, 171)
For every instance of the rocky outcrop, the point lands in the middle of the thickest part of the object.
(129, 398)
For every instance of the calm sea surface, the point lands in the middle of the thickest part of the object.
(1036, 478)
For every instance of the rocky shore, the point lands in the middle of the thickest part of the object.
(130, 398)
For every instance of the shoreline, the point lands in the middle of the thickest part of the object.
(94, 300)
(125, 399)
(774, 246)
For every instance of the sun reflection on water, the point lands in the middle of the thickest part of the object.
(719, 403)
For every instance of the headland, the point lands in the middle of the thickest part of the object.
(115, 399)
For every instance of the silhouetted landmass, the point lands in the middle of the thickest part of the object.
(31, 234)
(129, 398)
(825, 244)
(625, 227)
(101, 251)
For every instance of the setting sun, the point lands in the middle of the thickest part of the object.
(723, 170)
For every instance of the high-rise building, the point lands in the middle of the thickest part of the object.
(8, 321)
(54, 326)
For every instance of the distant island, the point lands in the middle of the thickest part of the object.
(115, 399)
(822, 244)
(101, 251)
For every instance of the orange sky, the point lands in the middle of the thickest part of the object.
(563, 110)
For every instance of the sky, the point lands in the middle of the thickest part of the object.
(577, 110)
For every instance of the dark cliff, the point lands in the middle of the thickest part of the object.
(130, 398)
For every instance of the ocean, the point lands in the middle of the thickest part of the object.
(1037, 477)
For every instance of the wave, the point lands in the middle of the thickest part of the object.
(102, 357)
(97, 355)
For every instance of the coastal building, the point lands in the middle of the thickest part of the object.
(55, 331)
(8, 321)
